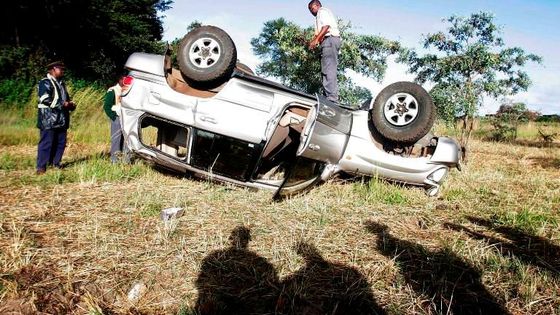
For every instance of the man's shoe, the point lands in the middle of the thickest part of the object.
(40, 171)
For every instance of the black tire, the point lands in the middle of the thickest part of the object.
(403, 112)
(213, 55)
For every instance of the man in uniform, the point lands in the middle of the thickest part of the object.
(328, 36)
(53, 118)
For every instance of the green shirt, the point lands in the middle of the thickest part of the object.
(109, 103)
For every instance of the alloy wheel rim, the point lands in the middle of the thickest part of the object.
(205, 52)
(401, 109)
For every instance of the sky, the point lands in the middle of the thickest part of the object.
(533, 25)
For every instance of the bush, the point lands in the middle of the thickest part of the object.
(16, 93)
(507, 119)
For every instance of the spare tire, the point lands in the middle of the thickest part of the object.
(403, 112)
(207, 54)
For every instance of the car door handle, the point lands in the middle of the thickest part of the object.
(314, 147)
(208, 119)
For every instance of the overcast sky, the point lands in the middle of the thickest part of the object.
(533, 25)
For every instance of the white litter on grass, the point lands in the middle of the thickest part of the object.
(171, 213)
(138, 288)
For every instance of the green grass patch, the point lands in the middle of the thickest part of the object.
(95, 169)
(12, 162)
(151, 209)
(525, 220)
(382, 191)
(100, 169)
(455, 194)
(88, 123)
(16, 128)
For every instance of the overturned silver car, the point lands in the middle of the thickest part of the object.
(216, 119)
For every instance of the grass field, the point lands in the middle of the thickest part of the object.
(88, 239)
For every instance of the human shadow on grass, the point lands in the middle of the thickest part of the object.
(546, 162)
(322, 287)
(536, 144)
(451, 284)
(236, 280)
(530, 249)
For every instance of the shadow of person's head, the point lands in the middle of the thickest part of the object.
(308, 252)
(376, 228)
(240, 237)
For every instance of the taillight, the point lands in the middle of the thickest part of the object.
(128, 81)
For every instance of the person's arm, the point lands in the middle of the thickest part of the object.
(46, 94)
(108, 103)
(318, 39)
(68, 104)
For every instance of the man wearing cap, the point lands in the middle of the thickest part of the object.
(53, 117)
(328, 36)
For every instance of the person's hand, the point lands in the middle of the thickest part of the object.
(69, 105)
(313, 44)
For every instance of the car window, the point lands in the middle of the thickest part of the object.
(303, 171)
(222, 155)
(303, 175)
(166, 137)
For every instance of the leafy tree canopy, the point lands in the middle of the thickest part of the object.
(471, 56)
(283, 47)
(467, 62)
(93, 37)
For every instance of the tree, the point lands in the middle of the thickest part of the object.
(177, 41)
(448, 100)
(470, 62)
(93, 37)
(507, 119)
(283, 47)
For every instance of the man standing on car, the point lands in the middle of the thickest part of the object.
(328, 36)
(53, 118)
(112, 107)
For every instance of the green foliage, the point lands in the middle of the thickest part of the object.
(15, 92)
(449, 101)
(507, 120)
(174, 45)
(21, 63)
(469, 62)
(283, 47)
(549, 118)
(108, 31)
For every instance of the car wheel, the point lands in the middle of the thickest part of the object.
(403, 112)
(207, 54)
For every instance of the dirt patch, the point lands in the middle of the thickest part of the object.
(40, 290)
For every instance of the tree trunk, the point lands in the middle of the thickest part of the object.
(16, 35)
(468, 118)
(466, 132)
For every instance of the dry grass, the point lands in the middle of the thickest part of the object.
(78, 240)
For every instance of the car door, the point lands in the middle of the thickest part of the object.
(241, 110)
(322, 143)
